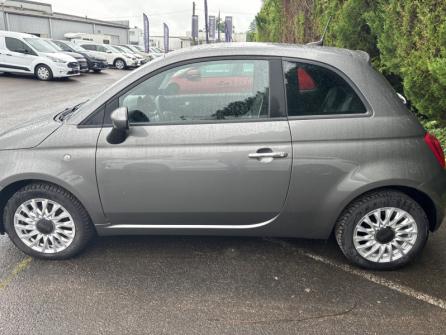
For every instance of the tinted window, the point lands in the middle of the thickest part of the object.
(16, 45)
(89, 47)
(315, 90)
(217, 90)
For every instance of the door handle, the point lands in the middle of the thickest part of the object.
(278, 154)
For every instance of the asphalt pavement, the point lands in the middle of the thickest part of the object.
(204, 285)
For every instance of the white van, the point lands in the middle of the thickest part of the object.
(114, 57)
(24, 53)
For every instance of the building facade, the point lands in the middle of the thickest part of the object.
(39, 19)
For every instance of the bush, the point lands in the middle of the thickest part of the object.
(405, 38)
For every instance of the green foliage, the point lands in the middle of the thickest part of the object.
(406, 40)
(269, 22)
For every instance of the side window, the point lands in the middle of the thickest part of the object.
(89, 47)
(100, 48)
(206, 91)
(15, 45)
(316, 90)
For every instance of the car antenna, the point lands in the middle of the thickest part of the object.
(321, 41)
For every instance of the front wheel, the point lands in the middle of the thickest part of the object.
(45, 221)
(382, 230)
(97, 71)
(43, 72)
(120, 64)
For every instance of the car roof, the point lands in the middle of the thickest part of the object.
(16, 34)
(320, 53)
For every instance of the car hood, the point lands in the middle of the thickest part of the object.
(29, 134)
(60, 55)
(93, 56)
(75, 55)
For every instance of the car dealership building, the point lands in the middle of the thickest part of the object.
(39, 19)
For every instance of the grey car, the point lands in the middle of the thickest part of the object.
(236, 139)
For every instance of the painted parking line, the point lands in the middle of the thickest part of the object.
(403, 289)
(21, 266)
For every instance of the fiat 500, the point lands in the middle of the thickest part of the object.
(290, 141)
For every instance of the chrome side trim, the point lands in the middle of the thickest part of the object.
(133, 226)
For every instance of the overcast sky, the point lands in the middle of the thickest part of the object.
(176, 13)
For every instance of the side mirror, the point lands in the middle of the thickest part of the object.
(120, 122)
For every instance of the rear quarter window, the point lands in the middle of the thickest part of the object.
(314, 90)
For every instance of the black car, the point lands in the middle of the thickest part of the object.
(94, 63)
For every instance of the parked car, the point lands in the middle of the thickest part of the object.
(319, 144)
(142, 60)
(140, 51)
(95, 63)
(78, 57)
(114, 58)
(28, 54)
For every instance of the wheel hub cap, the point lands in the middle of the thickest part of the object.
(385, 235)
(44, 225)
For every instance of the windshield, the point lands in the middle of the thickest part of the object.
(121, 49)
(54, 45)
(137, 47)
(41, 45)
(68, 46)
(113, 49)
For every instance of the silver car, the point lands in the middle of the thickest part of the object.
(237, 139)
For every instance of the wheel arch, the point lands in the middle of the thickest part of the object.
(8, 191)
(423, 199)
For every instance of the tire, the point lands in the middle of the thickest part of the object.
(120, 64)
(71, 219)
(43, 72)
(387, 220)
(97, 71)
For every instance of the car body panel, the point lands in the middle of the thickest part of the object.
(67, 158)
(28, 134)
(205, 171)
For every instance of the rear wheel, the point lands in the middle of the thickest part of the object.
(45, 221)
(43, 72)
(382, 230)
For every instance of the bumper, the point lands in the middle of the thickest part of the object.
(64, 70)
(83, 66)
(134, 63)
(98, 65)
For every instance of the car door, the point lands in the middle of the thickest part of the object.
(198, 160)
(17, 56)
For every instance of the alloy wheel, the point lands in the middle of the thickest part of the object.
(44, 225)
(385, 235)
(120, 65)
